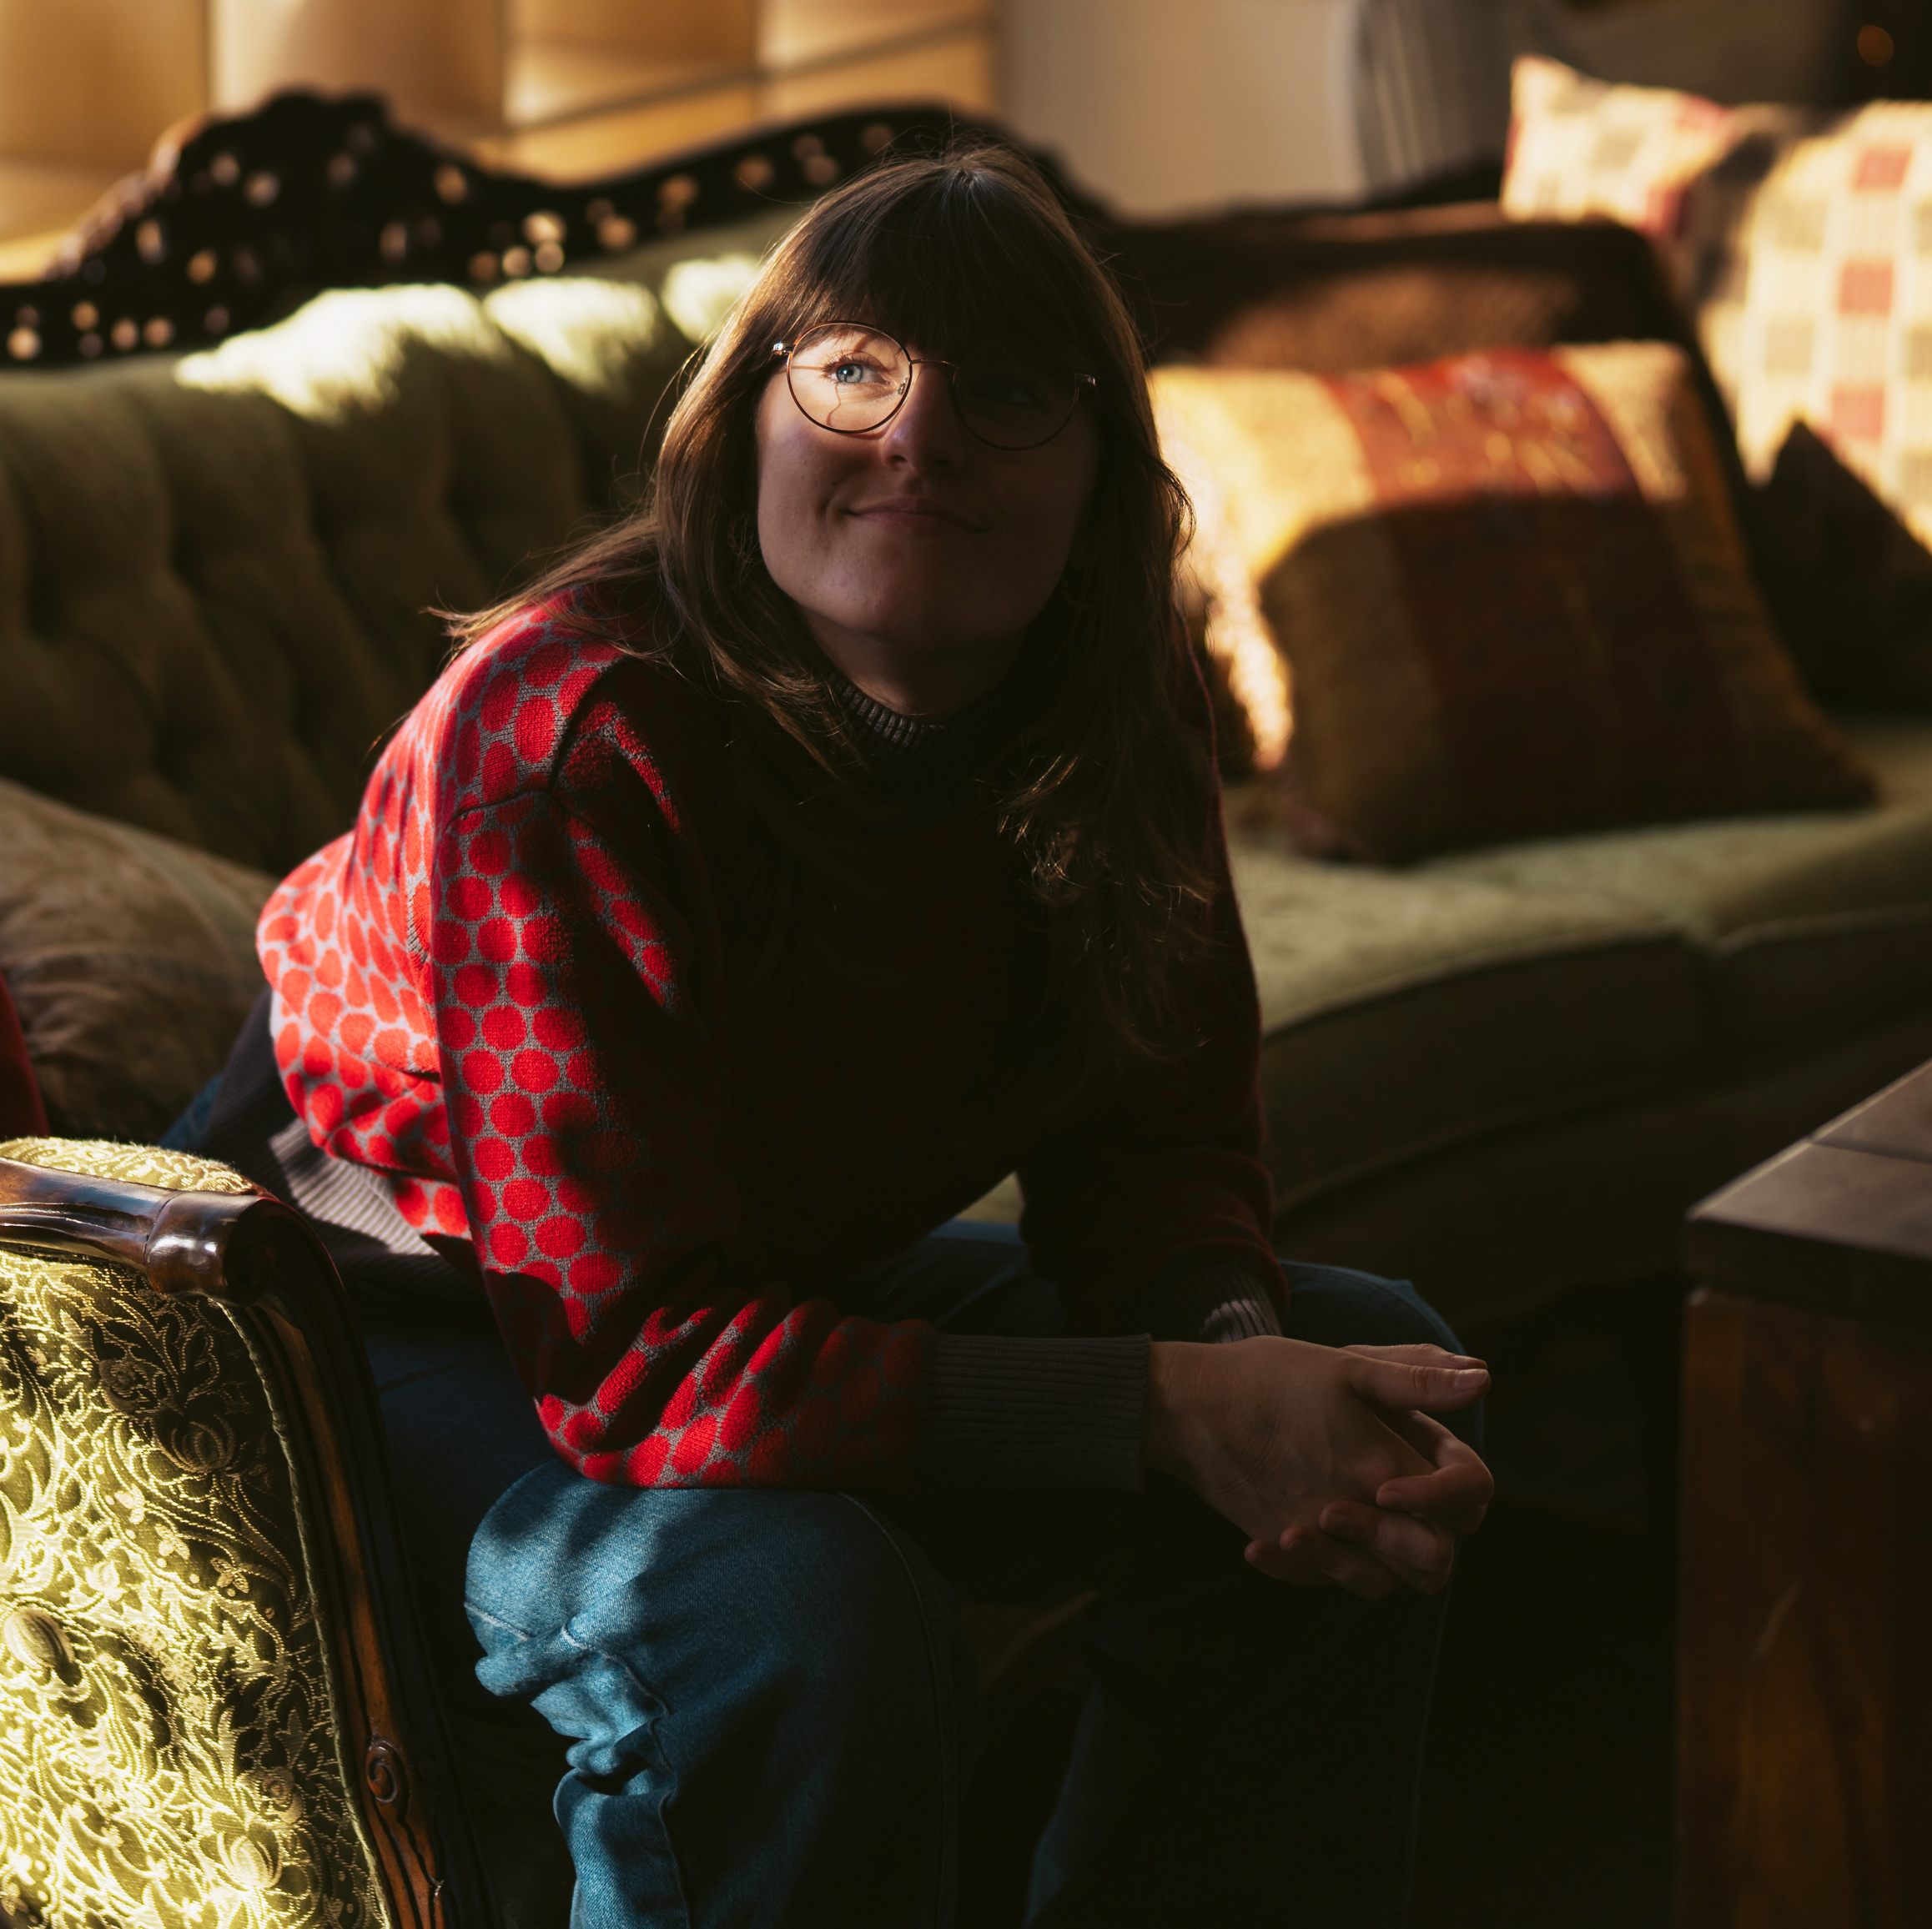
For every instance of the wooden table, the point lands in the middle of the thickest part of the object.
(1805, 1756)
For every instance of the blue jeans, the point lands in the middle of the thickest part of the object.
(771, 1705)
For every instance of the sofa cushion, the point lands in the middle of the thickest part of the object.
(1510, 594)
(1808, 927)
(1403, 1013)
(131, 958)
(1409, 1011)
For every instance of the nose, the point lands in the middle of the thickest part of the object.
(926, 431)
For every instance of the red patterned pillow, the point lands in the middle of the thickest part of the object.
(1508, 596)
(22, 1113)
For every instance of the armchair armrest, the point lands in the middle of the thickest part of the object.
(143, 1291)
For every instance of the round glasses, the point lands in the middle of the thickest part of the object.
(853, 378)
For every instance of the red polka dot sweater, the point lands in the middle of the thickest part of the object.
(508, 996)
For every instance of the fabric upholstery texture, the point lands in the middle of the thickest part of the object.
(1579, 146)
(217, 575)
(131, 960)
(1511, 594)
(168, 1751)
(1802, 240)
(1500, 1223)
(1409, 1012)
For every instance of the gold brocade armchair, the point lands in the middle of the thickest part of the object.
(213, 1706)
(215, 1702)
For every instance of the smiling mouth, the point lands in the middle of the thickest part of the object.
(926, 514)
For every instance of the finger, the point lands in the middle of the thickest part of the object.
(1405, 1383)
(1458, 1519)
(1420, 1355)
(1348, 1567)
(1419, 1553)
(1429, 1436)
(1280, 1567)
(1461, 1504)
(1458, 1493)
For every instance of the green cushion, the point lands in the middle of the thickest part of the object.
(1808, 927)
(1410, 1010)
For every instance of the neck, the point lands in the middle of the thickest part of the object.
(931, 686)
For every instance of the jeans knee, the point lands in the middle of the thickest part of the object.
(760, 1688)
(801, 1615)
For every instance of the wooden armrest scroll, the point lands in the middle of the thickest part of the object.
(262, 1259)
(212, 1245)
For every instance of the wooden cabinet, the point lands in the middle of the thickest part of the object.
(1806, 1677)
(566, 89)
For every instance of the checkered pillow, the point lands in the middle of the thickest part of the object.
(1801, 240)
(1579, 147)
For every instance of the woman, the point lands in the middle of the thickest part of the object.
(793, 862)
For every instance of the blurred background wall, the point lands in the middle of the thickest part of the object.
(1159, 107)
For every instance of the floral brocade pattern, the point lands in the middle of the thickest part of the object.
(167, 1747)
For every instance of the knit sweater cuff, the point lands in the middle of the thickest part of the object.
(1214, 1301)
(1001, 1411)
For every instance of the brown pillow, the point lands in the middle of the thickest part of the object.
(131, 959)
(1288, 288)
(1510, 593)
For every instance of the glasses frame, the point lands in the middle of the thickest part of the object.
(1083, 384)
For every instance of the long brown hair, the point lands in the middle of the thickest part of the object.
(1106, 799)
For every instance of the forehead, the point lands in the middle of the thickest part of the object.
(868, 338)
(947, 294)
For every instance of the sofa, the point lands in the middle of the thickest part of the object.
(1503, 1072)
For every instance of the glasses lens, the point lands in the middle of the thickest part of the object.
(1013, 401)
(848, 378)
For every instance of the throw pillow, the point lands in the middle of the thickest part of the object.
(22, 1113)
(1509, 593)
(131, 959)
(1802, 240)
(1289, 289)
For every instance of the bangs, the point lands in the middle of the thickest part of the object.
(959, 261)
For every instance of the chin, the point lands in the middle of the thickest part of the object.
(928, 623)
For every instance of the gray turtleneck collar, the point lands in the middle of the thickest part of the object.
(935, 770)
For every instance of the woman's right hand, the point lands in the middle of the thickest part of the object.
(1294, 1443)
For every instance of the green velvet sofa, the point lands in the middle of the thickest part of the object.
(1503, 1073)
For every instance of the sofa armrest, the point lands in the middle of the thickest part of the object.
(184, 1349)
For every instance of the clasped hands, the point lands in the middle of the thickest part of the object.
(1326, 1456)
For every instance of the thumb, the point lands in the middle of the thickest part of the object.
(1415, 1384)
